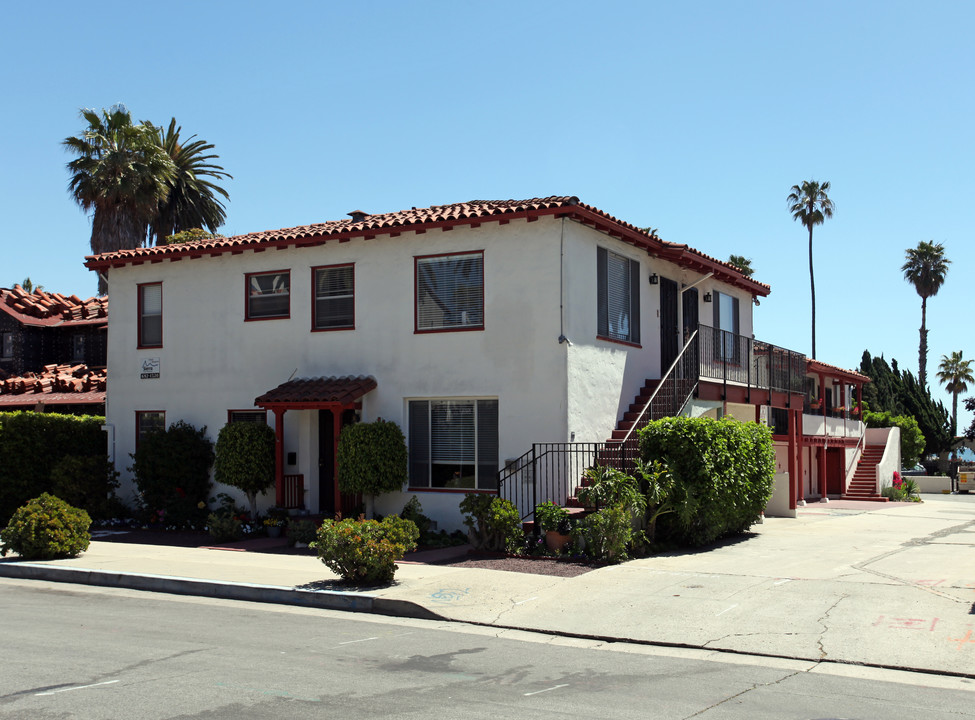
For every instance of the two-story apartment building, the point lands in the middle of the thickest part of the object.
(480, 328)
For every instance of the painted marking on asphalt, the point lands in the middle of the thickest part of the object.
(77, 687)
(782, 582)
(349, 642)
(521, 602)
(727, 609)
(539, 692)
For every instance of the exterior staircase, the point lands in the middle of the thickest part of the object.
(863, 486)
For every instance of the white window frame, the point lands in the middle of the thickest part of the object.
(439, 458)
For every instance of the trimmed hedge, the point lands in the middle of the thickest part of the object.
(245, 459)
(723, 472)
(33, 445)
(364, 552)
(46, 528)
(372, 458)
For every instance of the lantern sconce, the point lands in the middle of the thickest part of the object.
(654, 279)
(707, 297)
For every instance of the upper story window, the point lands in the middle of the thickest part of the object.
(334, 297)
(150, 315)
(454, 443)
(450, 292)
(6, 345)
(618, 297)
(268, 295)
(78, 347)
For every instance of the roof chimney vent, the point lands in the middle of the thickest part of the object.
(358, 215)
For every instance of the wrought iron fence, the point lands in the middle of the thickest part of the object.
(731, 358)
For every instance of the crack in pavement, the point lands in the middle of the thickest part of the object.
(515, 603)
(914, 543)
(822, 621)
(744, 692)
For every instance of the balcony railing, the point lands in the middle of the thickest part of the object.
(740, 360)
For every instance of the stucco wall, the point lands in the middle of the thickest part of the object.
(539, 282)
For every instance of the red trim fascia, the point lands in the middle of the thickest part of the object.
(619, 342)
(314, 297)
(247, 305)
(139, 345)
(324, 405)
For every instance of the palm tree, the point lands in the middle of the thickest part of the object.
(192, 201)
(120, 175)
(743, 264)
(955, 374)
(925, 269)
(810, 205)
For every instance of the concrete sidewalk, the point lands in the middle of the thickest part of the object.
(890, 587)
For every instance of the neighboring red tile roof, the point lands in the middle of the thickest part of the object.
(318, 391)
(818, 366)
(55, 385)
(468, 213)
(43, 308)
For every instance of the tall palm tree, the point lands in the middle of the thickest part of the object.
(925, 269)
(810, 205)
(192, 200)
(743, 264)
(120, 175)
(955, 374)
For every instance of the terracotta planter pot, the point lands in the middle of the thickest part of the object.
(556, 541)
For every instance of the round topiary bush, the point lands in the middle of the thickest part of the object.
(46, 528)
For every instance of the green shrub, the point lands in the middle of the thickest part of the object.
(32, 444)
(912, 440)
(607, 533)
(607, 486)
(364, 552)
(722, 475)
(46, 528)
(301, 531)
(372, 458)
(493, 523)
(550, 516)
(88, 483)
(172, 472)
(224, 526)
(245, 459)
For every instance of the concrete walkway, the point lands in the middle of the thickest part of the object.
(887, 585)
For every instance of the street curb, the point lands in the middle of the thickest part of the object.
(275, 594)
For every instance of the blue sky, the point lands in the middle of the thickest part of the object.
(694, 118)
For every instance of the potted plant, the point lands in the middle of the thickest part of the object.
(273, 526)
(554, 522)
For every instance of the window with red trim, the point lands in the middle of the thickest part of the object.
(450, 292)
(150, 315)
(334, 307)
(268, 295)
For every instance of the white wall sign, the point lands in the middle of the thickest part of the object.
(149, 369)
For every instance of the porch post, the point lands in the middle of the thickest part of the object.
(821, 455)
(279, 456)
(822, 396)
(794, 465)
(336, 429)
(801, 463)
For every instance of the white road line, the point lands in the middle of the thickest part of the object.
(79, 687)
(349, 642)
(727, 609)
(782, 582)
(538, 692)
(528, 600)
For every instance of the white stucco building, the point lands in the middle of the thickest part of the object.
(480, 328)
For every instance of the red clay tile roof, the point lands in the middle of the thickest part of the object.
(473, 213)
(817, 366)
(43, 308)
(55, 385)
(317, 391)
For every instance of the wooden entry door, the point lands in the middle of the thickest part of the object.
(835, 471)
(327, 449)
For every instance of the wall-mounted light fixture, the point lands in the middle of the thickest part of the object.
(707, 297)
(654, 279)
